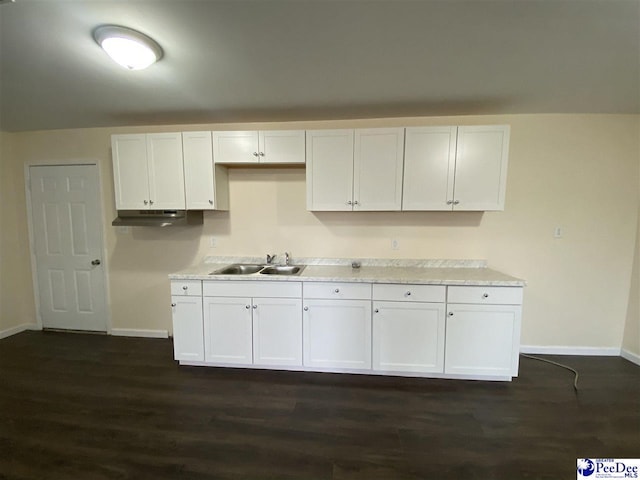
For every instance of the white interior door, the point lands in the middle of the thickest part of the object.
(67, 233)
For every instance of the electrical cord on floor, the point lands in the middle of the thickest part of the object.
(575, 372)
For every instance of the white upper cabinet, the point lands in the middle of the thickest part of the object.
(268, 147)
(455, 168)
(206, 185)
(148, 171)
(359, 170)
(329, 170)
(377, 169)
(481, 167)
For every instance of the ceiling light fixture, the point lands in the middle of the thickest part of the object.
(127, 47)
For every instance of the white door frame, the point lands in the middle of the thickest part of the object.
(32, 249)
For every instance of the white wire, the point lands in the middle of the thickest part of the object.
(575, 378)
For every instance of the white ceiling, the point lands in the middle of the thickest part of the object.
(262, 60)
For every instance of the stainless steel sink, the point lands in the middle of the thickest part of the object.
(238, 269)
(282, 270)
(250, 268)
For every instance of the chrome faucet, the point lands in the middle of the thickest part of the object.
(286, 258)
(270, 258)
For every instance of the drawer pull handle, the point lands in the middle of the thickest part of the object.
(451, 314)
(485, 295)
(376, 311)
(255, 306)
(306, 309)
(408, 294)
(247, 307)
(337, 290)
(173, 304)
(185, 287)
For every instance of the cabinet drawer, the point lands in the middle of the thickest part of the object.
(338, 290)
(252, 289)
(186, 287)
(409, 293)
(485, 295)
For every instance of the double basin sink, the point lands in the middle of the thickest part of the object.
(251, 268)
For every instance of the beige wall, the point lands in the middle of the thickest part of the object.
(16, 292)
(579, 172)
(631, 340)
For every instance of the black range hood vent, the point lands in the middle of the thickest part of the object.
(157, 218)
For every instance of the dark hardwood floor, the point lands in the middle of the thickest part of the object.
(76, 406)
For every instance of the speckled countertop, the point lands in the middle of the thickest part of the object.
(421, 271)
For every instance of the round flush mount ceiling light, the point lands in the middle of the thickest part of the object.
(127, 47)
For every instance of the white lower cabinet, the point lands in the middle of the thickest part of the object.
(408, 337)
(483, 338)
(253, 330)
(337, 334)
(188, 344)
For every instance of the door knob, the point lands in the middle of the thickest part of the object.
(95, 262)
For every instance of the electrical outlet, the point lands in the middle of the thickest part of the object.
(557, 232)
(123, 230)
(213, 242)
(395, 244)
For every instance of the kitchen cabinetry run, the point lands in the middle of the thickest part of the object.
(408, 328)
(148, 171)
(455, 168)
(253, 323)
(483, 330)
(206, 184)
(337, 326)
(186, 309)
(267, 147)
(355, 170)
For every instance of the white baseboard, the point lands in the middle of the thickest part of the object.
(632, 357)
(130, 332)
(559, 350)
(18, 329)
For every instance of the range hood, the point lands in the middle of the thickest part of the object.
(157, 218)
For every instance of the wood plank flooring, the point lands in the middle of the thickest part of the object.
(76, 406)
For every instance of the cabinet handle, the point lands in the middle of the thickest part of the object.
(95, 262)
(255, 306)
(485, 295)
(337, 290)
(146, 202)
(306, 309)
(210, 202)
(185, 287)
(451, 314)
(255, 154)
(247, 307)
(261, 154)
(456, 202)
(173, 304)
(349, 202)
(150, 202)
(376, 311)
(408, 294)
(356, 203)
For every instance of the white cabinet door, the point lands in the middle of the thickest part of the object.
(429, 168)
(130, 171)
(188, 340)
(377, 169)
(277, 332)
(337, 334)
(227, 330)
(282, 146)
(236, 147)
(205, 186)
(408, 337)
(481, 167)
(330, 170)
(166, 171)
(482, 339)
